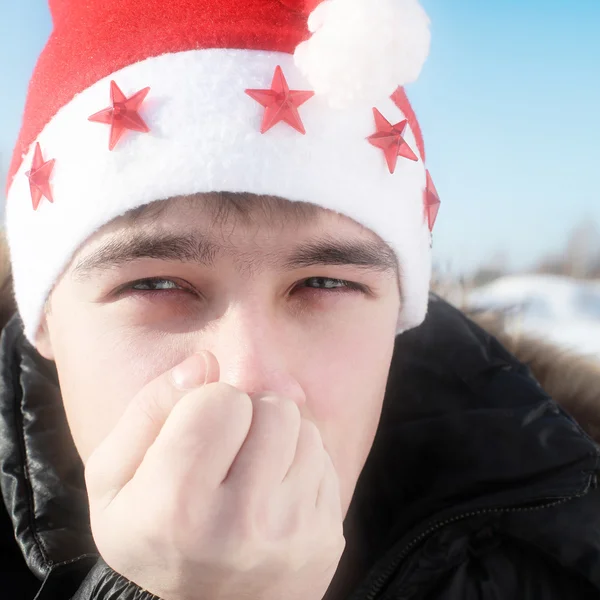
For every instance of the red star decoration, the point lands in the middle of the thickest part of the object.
(281, 103)
(39, 178)
(123, 114)
(389, 138)
(431, 202)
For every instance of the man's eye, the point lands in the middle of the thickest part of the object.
(152, 285)
(327, 283)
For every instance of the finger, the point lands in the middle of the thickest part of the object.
(269, 448)
(201, 437)
(304, 476)
(117, 458)
(329, 501)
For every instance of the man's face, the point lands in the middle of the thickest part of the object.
(265, 292)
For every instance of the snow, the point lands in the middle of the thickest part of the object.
(559, 309)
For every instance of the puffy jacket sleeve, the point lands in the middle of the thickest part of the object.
(102, 583)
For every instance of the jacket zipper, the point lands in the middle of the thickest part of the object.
(436, 526)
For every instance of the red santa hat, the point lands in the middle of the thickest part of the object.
(136, 101)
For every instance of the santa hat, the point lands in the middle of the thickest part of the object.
(135, 101)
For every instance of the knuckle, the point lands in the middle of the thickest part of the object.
(338, 545)
(331, 551)
(243, 557)
(290, 558)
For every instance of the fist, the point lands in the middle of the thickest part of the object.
(209, 493)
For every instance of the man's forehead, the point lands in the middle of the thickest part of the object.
(227, 220)
(242, 207)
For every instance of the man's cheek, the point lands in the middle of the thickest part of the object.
(341, 383)
(105, 373)
(127, 361)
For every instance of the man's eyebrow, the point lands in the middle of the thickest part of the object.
(195, 248)
(121, 251)
(373, 255)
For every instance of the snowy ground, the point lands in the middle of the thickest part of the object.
(563, 310)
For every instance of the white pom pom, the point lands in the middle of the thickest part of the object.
(360, 51)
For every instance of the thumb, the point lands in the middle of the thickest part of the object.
(115, 461)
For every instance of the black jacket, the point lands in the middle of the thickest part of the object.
(478, 486)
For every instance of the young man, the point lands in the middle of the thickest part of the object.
(220, 383)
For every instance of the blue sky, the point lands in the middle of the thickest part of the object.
(509, 102)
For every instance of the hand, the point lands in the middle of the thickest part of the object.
(210, 494)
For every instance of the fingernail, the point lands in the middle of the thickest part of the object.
(191, 373)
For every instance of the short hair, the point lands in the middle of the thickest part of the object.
(238, 205)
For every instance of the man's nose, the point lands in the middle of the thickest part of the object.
(255, 353)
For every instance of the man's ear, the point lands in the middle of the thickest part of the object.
(43, 343)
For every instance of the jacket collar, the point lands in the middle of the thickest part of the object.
(464, 427)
